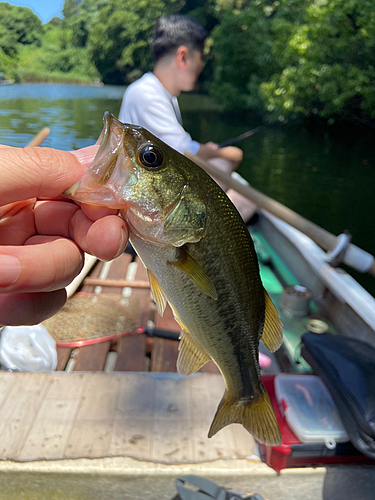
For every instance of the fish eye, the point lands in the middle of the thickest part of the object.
(150, 157)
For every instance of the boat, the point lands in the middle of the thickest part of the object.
(116, 417)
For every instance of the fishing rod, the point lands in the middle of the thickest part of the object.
(245, 135)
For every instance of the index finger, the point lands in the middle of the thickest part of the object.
(40, 172)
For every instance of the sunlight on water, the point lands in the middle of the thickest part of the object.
(72, 112)
(325, 175)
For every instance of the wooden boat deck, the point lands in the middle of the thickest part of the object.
(136, 352)
(97, 406)
(157, 418)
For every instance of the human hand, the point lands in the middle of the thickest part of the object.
(231, 153)
(208, 150)
(43, 235)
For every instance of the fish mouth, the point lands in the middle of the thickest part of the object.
(112, 140)
(112, 170)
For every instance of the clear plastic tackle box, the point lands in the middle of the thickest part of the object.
(309, 409)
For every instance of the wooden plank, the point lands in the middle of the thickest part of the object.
(133, 431)
(146, 312)
(244, 441)
(117, 283)
(131, 353)
(19, 411)
(48, 436)
(117, 270)
(157, 417)
(167, 321)
(67, 386)
(92, 357)
(164, 355)
(137, 395)
(172, 398)
(63, 355)
(93, 427)
(90, 439)
(100, 396)
(172, 441)
(206, 392)
(220, 446)
(132, 437)
(7, 381)
(172, 437)
(165, 352)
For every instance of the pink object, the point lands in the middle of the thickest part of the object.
(264, 361)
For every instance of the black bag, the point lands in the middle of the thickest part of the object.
(347, 367)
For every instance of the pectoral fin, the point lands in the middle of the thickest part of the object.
(192, 269)
(272, 335)
(190, 357)
(157, 293)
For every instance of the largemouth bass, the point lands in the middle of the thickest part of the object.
(200, 259)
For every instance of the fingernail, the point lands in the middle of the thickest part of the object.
(86, 155)
(10, 270)
(123, 241)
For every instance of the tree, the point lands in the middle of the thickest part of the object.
(79, 17)
(119, 39)
(328, 64)
(293, 58)
(70, 8)
(18, 25)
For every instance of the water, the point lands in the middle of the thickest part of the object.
(74, 113)
(326, 175)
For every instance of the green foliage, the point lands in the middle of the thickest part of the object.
(297, 58)
(18, 26)
(56, 56)
(70, 8)
(283, 58)
(45, 53)
(119, 40)
(80, 18)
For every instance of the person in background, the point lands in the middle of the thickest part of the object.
(42, 235)
(151, 102)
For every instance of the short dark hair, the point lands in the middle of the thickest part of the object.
(173, 31)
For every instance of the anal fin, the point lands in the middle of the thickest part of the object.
(190, 357)
(272, 335)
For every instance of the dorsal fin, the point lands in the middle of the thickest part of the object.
(272, 335)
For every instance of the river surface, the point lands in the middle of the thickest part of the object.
(324, 174)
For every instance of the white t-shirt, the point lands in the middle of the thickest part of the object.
(148, 104)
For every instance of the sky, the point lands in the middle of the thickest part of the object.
(44, 9)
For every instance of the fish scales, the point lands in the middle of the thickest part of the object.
(226, 322)
(200, 259)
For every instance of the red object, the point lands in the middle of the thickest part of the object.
(81, 343)
(293, 453)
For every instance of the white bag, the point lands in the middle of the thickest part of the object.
(28, 348)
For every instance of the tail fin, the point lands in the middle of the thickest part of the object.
(257, 417)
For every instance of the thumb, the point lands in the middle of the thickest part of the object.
(40, 172)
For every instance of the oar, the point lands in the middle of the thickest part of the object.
(322, 237)
(39, 138)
